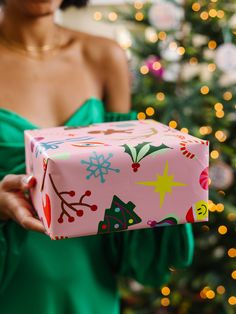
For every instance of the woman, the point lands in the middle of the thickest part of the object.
(45, 72)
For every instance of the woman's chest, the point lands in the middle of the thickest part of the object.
(47, 94)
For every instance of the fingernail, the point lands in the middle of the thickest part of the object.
(28, 179)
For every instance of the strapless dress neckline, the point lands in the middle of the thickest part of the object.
(27, 122)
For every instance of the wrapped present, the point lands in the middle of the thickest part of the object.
(116, 176)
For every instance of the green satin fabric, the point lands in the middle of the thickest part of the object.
(78, 275)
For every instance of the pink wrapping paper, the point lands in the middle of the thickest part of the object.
(116, 176)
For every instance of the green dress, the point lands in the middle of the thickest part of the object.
(77, 275)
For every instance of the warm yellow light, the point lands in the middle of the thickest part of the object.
(150, 111)
(222, 230)
(162, 35)
(211, 67)
(193, 60)
(220, 289)
(97, 16)
(144, 69)
(204, 90)
(141, 116)
(220, 114)
(196, 6)
(214, 154)
(232, 252)
(205, 228)
(112, 16)
(138, 5)
(165, 302)
(210, 294)
(227, 95)
(184, 130)
(209, 129)
(218, 106)
(212, 44)
(156, 66)
(165, 291)
(204, 15)
(139, 16)
(181, 50)
(220, 207)
(220, 14)
(173, 124)
(151, 34)
(219, 134)
(232, 300)
(160, 96)
(173, 45)
(231, 216)
(203, 130)
(213, 13)
(214, 0)
(233, 274)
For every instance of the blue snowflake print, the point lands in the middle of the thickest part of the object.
(98, 166)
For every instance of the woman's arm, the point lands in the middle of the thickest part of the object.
(117, 79)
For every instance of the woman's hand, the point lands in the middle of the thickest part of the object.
(14, 203)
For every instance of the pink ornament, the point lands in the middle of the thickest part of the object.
(154, 65)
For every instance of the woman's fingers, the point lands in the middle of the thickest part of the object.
(12, 182)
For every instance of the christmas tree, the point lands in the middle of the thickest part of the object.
(183, 61)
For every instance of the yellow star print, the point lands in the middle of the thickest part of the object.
(163, 184)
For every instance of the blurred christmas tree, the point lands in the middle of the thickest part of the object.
(183, 61)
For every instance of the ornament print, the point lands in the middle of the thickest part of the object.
(110, 131)
(66, 206)
(99, 166)
(168, 221)
(118, 217)
(140, 151)
(197, 212)
(186, 152)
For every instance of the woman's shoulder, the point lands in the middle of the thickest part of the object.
(98, 48)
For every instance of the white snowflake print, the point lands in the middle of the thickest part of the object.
(98, 166)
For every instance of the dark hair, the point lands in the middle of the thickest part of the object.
(77, 3)
(67, 3)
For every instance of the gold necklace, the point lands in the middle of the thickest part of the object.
(31, 51)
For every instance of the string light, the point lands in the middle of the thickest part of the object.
(231, 216)
(211, 67)
(218, 106)
(227, 96)
(162, 35)
(112, 16)
(196, 6)
(220, 114)
(184, 130)
(156, 66)
(220, 207)
(203, 130)
(151, 34)
(210, 294)
(214, 154)
(181, 50)
(144, 69)
(204, 15)
(193, 60)
(160, 96)
(97, 16)
(165, 302)
(233, 274)
(220, 289)
(173, 124)
(204, 90)
(232, 252)
(212, 44)
(212, 13)
(150, 111)
(138, 5)
(232, 300)
(139, 16)
(220, 14)
(165, 291)
(222, 230)
(141, 116)
(220, 135)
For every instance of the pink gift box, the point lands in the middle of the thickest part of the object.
(116, 176)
